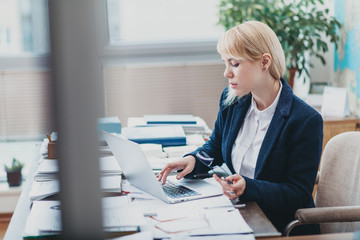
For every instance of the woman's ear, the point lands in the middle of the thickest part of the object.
(265, 61)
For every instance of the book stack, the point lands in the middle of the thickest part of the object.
(191, 124)
(46, 182)
(108, 124)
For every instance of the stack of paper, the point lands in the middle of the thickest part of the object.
(109, 166)
(43, 189)
(158, 163)
(178, 152)
(46, 177)
(105, 151)
(45, 217)
(199, 128)
(48, 168)
(195, 139)
(191, 124)
(209, 216)
(152, 150)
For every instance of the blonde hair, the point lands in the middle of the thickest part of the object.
(251, 40)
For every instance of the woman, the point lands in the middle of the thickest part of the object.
(269, 138)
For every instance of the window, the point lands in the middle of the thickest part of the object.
(23, 27)
(153, 21)
(24, 79)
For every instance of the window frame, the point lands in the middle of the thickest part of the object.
(154, 49)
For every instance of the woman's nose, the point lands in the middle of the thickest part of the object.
(228, 73)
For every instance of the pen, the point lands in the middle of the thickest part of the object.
(150, 214)
(48, 136)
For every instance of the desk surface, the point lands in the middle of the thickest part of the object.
(257, 220)
(334, 236)
(252, 213)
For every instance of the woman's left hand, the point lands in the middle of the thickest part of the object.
(234, 190)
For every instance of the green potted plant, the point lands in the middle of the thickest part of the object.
(13, 172)
(301, 26)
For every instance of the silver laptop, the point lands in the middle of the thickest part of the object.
(133, 162)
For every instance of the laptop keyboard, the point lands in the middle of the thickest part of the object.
(174, 190)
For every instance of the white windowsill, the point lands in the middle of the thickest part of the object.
(9, 197)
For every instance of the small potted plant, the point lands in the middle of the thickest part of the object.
(13, 171)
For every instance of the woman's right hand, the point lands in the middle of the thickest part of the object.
(187, 164)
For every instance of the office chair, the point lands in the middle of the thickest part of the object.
(337, 198)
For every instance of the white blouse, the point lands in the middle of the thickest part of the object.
(247, 145)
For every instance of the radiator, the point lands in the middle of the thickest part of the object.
(179, 88)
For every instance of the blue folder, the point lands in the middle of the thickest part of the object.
(165, 135)
(170, 119)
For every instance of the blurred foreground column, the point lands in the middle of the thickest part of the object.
(77, 79)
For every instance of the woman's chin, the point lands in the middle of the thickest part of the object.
(239, 93)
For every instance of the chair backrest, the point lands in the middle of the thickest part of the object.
(339, 182)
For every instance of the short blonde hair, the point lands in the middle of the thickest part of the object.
(251, 40)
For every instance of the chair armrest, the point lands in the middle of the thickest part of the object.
(323, 215)
(328, 214)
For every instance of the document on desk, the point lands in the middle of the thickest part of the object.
(45, 216)
(43, 189)
(208, 216)
(118, 211)
(108, 165)
(216, 221)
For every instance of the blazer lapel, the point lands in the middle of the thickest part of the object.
(274, 130)
(240, 110)
(281, 113)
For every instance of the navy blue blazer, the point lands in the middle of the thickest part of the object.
(288, 160)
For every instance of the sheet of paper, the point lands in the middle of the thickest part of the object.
(185, 224)
(118, 211)
(48, 166)
(218, 212)
(125, 216)
(335, 102)
(45, 216)
(111, 183)
(214, 221)
(109, 164)
(225, 221)
(40, 190)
